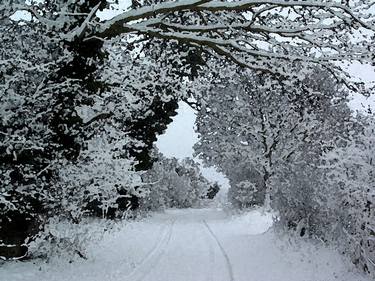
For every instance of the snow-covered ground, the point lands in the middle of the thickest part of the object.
(193, 245)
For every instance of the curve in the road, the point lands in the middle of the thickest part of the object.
(222, 250)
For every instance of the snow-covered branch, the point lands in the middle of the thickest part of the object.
(260, 34)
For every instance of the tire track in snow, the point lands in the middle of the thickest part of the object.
(152, 257)
(211, 254)
(225, 255)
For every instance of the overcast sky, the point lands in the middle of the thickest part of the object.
(365, 73)
(179, 138)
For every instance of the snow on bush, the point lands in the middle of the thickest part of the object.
(95, 181)
(331, 195)
(243, 194)
(174, 184)
(351, 173)
(61, 238)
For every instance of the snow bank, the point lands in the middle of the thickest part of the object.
(253, 222)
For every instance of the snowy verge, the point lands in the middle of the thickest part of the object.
(194, 244)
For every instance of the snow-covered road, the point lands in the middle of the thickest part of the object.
(188, 250)
(194, 245)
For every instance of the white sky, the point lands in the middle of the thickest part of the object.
(107, 14)
(366, 73)
(179, 138)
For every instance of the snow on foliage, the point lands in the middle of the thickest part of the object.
(174, 184)
(75, 131)
(248, 127)
(269, 36)
(98, 176)
(350, 171)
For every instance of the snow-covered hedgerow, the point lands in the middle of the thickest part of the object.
(96, 182)
(66, 240)
(331, 195)
(308, 155)
(351, 174)
(174, 184)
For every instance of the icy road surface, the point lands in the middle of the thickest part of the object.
(194, 245)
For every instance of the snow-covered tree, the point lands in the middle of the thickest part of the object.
(174, 184)
(295, 184)
(96, 182)
(27, 147)
(318, 158)
(329, 193)
(263, 35)
(59, 99)
(267, 36)
(350, 184)
(248, 129)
